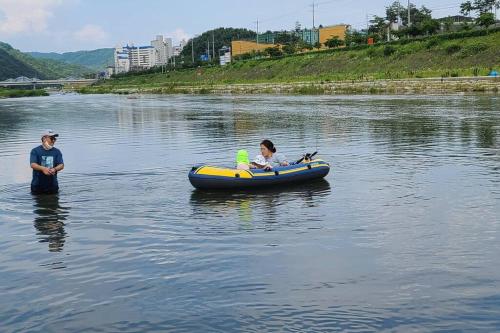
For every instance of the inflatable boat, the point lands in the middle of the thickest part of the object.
(211, 177)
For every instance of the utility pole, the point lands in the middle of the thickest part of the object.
(257, 38)
(409, 22)
(213, 45)
(314, 6)
(192, 51)
(208, 48)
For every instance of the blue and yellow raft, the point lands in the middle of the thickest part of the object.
(212, 177)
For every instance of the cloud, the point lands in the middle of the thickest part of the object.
(179, 34)
(26, 16)
(91, 33)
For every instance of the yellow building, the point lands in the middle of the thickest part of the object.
(332, 31)
(243, 46)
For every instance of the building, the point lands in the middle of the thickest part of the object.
(142, 57)
(163, 49)
(178, 48)
(225, 56)
(239, 47)
(122, 61)
(309, 36)
(129, 58)
(110, 70)
(326, 33)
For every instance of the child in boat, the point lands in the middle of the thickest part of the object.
(242, 160)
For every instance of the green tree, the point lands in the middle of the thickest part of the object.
(302, 45)
(485, 20)
(466, 8)
(317, 45)
(274, 52)
(334, 42)
(221, 36)
(394, 11)
(354, 37)
(378, 27)
(289, 49)
(478, 6)
(286, 38)
(448, 23)
(429, 26)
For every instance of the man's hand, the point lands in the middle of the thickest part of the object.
(47, 172)
(52, 171)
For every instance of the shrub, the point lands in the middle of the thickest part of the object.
(474, 48)
(389, 50)
(453, 48)
(431, 43)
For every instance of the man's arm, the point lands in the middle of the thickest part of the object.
(38, 167)
(59, 164)
(59, 167)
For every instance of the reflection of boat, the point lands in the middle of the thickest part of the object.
(318, 187)
(247, 205)
(210, 177)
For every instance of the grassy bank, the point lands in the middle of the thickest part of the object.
(438, 57)
(13, 93)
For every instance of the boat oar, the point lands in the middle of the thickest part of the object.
(307, 156)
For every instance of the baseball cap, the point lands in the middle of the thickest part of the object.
(49, 132)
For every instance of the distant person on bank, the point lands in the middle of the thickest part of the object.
(46, 161)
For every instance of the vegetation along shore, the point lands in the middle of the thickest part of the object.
(13, 93)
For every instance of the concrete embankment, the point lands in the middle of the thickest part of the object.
(407, 86)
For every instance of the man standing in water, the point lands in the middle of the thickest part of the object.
(46, 161)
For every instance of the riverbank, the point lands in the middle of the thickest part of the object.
(445, 63)
(408, 86)
(16, 93)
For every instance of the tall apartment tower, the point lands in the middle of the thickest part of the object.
(163, 49)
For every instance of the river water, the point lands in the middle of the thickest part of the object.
(402, 235)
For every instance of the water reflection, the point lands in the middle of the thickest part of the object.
(49, 221)
(414, 200)
(242, 204)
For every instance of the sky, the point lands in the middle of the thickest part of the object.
(72, 25)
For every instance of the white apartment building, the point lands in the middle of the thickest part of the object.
(178, 48)
(142, 57)
(163, 49)
(122, 61)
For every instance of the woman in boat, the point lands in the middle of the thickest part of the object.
(268, 157)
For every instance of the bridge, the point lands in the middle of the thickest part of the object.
(48, 83)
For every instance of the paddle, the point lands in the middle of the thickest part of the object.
(307, 156)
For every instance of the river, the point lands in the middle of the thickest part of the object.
(402, 235)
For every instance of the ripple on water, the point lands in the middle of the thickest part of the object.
(401, 236)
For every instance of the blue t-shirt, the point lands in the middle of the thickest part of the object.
(49, 159)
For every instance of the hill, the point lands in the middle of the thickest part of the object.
(96, 60)
(453, 55)
(11, 67)
(14, 63)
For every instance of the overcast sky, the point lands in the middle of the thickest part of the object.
(70, 25)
